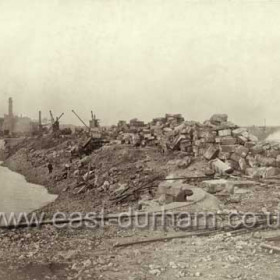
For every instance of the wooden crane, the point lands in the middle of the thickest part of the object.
(81, 120)
(94, 123)
(52, 118)
(55, 122)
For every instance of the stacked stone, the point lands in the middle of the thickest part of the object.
(264, 160)
(184, 138)
(232, 144)
(240, 150)
(205, 140)
(169, 131)
(216, 138)
(192, 138)
(226, 145)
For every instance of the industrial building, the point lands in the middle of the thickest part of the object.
(16, 125)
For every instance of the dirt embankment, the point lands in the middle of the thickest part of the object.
(110, 168)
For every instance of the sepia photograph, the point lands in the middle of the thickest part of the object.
(139, 139)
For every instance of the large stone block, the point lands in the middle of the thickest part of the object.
(242, 140)
(257, 149)
(204, 133)
(184, 145)
(214, 186)
(207, 135)
(238, 131)
(255, 172)
(242, 151)
(262, 172)
(224, 132)
(227, 148)
(212, 152)
(224, 156)
(165, 199)
(218, 118)
(210, 138)
(226, 125)
(176, 142)
(174, 191)
(272, 171)
(233, 164)
(228, 140)
(225, 186)
(235, 157)
(221, 167)
(252, 161)
(265, 161)
(242, 164)
(249, 145)
(245, 134)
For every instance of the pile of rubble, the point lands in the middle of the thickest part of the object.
(226, 146)
(264, 160)
(101, 166)
(236, 149)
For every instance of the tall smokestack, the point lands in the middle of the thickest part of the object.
(40, 118)
(10, 107)
(11, 116)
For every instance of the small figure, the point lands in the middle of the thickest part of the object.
(50, 167)
(66, 173)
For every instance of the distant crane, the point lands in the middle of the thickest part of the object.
(60, 116)
(94, 123)
(95, 140)
(55, 122)
(81, 120)
(52, 118)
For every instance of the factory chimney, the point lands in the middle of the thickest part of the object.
(10, 107)
(11, 116)
(40, 122)
(40, 118)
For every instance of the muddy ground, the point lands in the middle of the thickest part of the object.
(51, 253)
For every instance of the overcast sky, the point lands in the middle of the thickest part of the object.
(141, 58)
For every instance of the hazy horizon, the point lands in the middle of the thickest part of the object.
(125, 59)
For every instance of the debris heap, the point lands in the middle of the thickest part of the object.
(225, 145)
